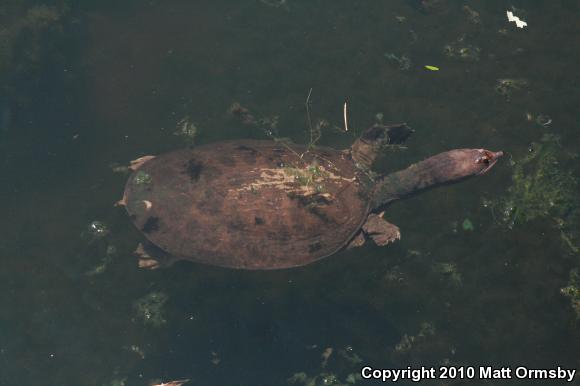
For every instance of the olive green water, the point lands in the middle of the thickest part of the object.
(483, 275)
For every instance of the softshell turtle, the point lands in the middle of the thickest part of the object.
(258, 204)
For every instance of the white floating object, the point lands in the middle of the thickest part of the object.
(519, 22)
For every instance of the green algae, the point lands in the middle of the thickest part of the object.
(310, 176)
(186, 130)
(462, 51)
(467, 225)
(407, 342)
(323, 379)
(572, 291)
(142, 178)
(150, 308)
(506, 87)
(541, 187)
(544, 186)
(106, 260)
(449, 272)
(345, 370)
(403, 61)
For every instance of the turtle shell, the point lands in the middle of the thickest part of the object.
(248, 204)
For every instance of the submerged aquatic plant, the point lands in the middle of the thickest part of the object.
(349, 361)
(407, 342)
(142, 178)
(572, 291)
(461, 50)
(450, 272)
(506, 86)
(403, 61)
(311, 177)
(186, 130)
(101, 267)
(541, 187)
(150, 308)
(467, 225)
(544, 187)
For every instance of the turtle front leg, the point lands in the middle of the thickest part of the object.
(380, 230)
(365, 150)
(152, 257)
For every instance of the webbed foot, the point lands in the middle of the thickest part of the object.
(365, 150)
(357, 241)
(173, 383)
(152, 257)
(380, 230)
(136, 163)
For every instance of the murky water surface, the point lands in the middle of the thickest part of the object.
(483, 275)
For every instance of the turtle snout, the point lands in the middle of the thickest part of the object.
(487, 159)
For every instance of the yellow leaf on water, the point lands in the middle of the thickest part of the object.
(432, 68)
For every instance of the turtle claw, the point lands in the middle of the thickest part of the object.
(145, 259)
(122, 201)
(381, 231)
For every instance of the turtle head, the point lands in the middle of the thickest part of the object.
(462, 163)
(456, 165)
(441, 169)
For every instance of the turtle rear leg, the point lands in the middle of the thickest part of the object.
(380, 230)
(357, 241)
(136, 163)
(152, 257)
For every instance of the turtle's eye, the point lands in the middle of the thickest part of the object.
(483, 160)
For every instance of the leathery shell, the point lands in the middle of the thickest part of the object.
(248, 204)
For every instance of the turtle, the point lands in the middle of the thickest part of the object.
(264, 204)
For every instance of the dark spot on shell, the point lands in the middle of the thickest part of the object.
(248, 149)
(275, 161)
(193, 169)
(247, 154)
(314, 247)
(258, 220)
(314, 200)
(151, 225)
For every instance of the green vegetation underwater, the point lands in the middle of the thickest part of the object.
(487, 272)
